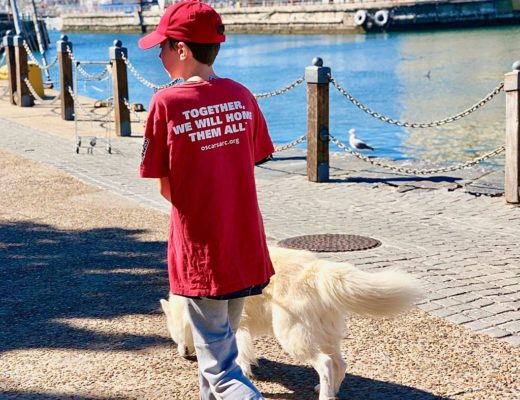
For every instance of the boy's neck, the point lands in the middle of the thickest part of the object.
(199, 72)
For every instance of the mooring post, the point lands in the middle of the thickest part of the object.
(120, 88)
(63, 46)
(8, 43)
(317, 77)
(23, 97)
(512, 177)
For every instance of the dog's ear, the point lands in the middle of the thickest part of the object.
(165, 305)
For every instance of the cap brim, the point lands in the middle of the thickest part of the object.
(151, 40)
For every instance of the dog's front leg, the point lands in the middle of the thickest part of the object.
(246, 351)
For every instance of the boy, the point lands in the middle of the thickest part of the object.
(202, 140)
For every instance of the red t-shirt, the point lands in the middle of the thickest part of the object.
(206, 137)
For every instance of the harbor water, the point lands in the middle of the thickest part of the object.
(416, 77)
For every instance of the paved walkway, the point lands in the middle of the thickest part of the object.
(462, 247)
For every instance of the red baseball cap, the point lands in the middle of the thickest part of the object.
(187, 21)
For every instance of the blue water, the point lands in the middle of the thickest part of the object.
(412, 76)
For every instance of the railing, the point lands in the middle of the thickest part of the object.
(318, 78)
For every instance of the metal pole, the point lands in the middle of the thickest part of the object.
(40, 45)
(16, 17)
(317, 77)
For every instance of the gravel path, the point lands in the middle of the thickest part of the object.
(83, 271)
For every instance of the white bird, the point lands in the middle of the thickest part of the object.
(356, 143)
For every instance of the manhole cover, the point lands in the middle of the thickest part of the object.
(330, 243)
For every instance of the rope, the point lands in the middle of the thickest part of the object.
(281, 91)
(455, 117)
(411, 171)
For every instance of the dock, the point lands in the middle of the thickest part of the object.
(83, 245)
(334, 18)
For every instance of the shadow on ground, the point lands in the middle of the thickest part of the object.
(48, 274)
(301, 381)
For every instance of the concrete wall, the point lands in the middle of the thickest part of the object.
(334, 18)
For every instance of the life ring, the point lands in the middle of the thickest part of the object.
(382, 17)
(361, 17)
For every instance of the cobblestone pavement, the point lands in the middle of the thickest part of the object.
(462, 248)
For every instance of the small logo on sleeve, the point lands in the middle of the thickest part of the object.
(145, 147)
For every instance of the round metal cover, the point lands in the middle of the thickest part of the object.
(330, 243)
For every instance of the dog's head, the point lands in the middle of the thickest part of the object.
(176, 311)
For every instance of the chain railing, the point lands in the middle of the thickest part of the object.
(88, 113)
(142, 80)
(35, 60)
(280, 91)
(135, 113)
(411, 171)
(37, 96)
(292, 144)
(381, 117)
(97, 77)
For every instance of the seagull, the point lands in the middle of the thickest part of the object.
(355, 143)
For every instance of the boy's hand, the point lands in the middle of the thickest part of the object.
(164, 188)
(264, 160)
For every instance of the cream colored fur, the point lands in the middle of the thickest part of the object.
(304, 308)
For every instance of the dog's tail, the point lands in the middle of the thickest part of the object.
(341, 285)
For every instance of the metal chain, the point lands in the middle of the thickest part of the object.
(36, 95)
(81, 70)
(127, 104)
(412, 171)
(86, 112)
(35, 60)
(456, 117)
(281, 91)
(143, 80)
(291, 144)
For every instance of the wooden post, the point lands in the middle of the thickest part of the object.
(23, 97)
(317, 77)
(120, 88)
(66, 81)
(11, 64)
(512, 177)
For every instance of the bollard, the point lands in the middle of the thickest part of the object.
(317, 77)
(120, 88)
(66, 81)
(512, 177)
(23, 97)
(11, 64)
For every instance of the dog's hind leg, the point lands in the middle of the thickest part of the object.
(325, 366)
(246, 351)
(340, 367)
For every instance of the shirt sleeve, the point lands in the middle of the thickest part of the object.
(155, 152)
(263, 146)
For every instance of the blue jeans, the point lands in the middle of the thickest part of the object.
(213, 325)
